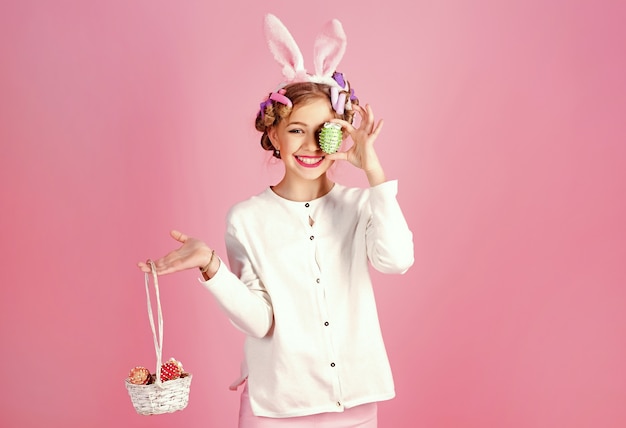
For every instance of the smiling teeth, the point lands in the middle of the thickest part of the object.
(309, 161)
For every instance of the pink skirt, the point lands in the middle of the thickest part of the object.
(363, 416)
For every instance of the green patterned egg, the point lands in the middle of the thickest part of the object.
(330, 137)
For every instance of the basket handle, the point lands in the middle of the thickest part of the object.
(158, 342)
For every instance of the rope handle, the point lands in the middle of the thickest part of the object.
(158, 343)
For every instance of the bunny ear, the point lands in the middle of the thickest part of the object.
(284, 47)
(330, 45)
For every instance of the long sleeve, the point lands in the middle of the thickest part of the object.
(388, 237)
(240, 293)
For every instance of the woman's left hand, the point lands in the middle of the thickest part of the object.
(362, 153)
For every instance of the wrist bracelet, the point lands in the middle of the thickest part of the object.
(206, 267)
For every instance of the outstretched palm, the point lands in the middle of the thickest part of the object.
(191, 254)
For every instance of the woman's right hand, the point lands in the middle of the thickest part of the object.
(192, 254)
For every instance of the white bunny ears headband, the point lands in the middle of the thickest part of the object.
(329, 48)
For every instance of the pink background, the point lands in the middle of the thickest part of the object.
(504, 124)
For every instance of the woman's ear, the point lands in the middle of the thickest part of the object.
(272, 135)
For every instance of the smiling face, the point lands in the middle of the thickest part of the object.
(296, 138)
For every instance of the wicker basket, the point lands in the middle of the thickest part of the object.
(159, 397)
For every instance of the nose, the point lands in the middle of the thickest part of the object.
(312, 142)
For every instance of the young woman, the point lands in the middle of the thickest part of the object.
(297, 282)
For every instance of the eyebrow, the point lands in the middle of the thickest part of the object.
(297, 123)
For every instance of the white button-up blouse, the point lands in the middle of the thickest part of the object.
(303, 295)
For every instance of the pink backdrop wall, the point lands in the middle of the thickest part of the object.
(504, 124)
